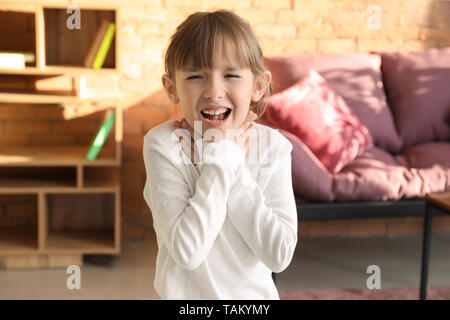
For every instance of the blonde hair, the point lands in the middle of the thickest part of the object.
(197, 38)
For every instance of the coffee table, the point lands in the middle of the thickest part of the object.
(440, 203)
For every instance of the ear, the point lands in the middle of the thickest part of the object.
(260, 85)
(170, 88)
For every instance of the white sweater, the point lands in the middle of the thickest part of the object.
(222, 226)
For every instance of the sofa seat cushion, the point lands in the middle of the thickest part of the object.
(356, 77)
(417, 85)
(378, 175)
(312, 111)
(425, 155)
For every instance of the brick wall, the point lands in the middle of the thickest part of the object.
(282, 26)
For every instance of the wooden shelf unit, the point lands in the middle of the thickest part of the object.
(78, 207)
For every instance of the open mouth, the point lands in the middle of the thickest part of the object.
(215, 115)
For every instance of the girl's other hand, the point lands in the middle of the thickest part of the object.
(188, 147)
(243, 139)
(247, 127)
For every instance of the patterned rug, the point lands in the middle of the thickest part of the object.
(394, 293)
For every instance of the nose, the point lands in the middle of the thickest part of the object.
(213, 89)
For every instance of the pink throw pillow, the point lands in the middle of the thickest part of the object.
(312, 111)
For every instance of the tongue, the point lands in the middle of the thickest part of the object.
(216, 117)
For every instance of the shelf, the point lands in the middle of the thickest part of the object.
(54, 156)
(89, 241)
(18, 240)
(81, 223)
(65, 205)
(59, 40)
(17, 31)
(51, 99)
(21, 240)
(27, 185)
(100, 178)
(35, 179)
(57, 70)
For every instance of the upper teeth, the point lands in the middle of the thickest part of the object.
(218, 111)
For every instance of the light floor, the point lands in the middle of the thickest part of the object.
(337, 262)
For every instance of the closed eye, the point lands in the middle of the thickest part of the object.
(226, 76)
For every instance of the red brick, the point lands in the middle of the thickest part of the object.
(336, 45)
(298, 17)
(27, 126)
(133, 141)
(379, 45)
(275, 31)
(130, 68)
(14, 139)
(75, 126)
(256, 15)
(132, 185)
(46, 112)
(271, 5)
(140, 218)
(19, 111)
(282, 46)
(133, 168)
(132, 126)
(132, 232)
(53, 139)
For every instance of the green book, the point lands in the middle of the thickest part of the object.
(104, 46)
(101, 136)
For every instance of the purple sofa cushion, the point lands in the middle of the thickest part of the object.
(310, 179)
(356, 77)
(418, 90)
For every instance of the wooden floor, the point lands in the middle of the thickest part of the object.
(337, 262)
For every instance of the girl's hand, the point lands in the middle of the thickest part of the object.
(188, 147)
(242, 140)
(247, 127)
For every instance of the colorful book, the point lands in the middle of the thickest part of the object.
(104, 46)
(95, 45)
(101, 135)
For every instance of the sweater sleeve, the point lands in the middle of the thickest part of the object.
(189, 224)
(267, 220)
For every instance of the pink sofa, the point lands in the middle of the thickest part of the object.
(402, 98)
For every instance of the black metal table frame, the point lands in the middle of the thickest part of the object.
(416, 207)
(430, 211)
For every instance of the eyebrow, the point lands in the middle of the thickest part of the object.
(228, 68)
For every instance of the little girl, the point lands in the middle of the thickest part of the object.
(224, 222)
